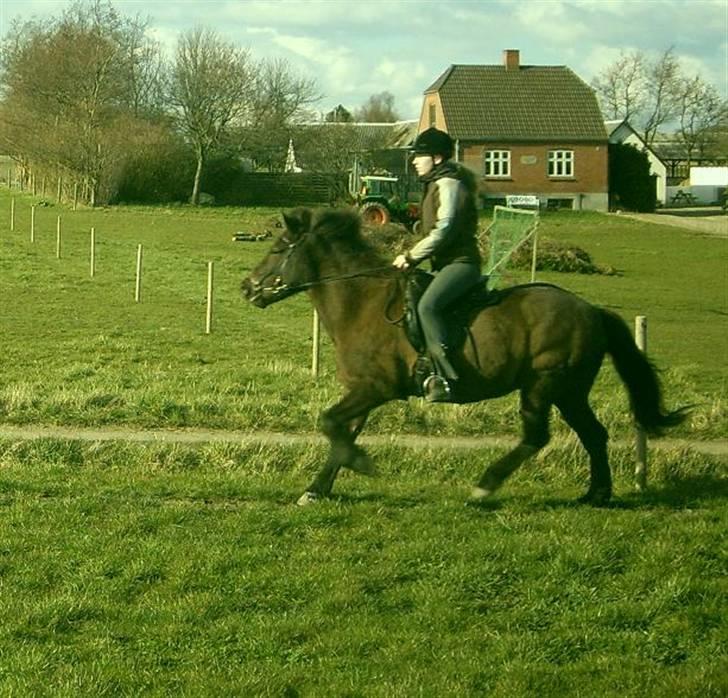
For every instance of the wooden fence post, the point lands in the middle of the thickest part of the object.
(138, 285)
(32, 223)
(640, 473)
(93, 252)
(210, 290)
(12, 214)
(58, 237)
(316, 356)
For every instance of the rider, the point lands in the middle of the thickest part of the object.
(449, 219)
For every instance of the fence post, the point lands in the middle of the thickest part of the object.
(640, 473)
(58, 237)
(316, 356)
(210, 289)
(138, 285)
(75, 195)
(93, 251)
(32, 223)
(12, 214)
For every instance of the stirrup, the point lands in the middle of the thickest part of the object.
(437, 389)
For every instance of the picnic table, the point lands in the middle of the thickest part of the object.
(683, 197)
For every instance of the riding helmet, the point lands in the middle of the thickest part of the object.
(433, 142)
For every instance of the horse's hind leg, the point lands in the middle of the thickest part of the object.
(591, 432)
(535, 412)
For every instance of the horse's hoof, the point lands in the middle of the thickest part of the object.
(479, 495)
(363, 465)
(596, 498)
(307, 498)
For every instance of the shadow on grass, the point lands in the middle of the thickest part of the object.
(682, 493)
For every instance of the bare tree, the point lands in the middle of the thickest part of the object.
(379, 108)
(279, 100)
(620, 86)
(662, 80)
(208, 90)
(700, 111)
(65, 87)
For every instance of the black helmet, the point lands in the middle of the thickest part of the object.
(433, 142)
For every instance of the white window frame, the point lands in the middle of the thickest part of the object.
(561, 163)
(497, 163)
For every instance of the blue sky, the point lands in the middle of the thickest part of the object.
(355, 48)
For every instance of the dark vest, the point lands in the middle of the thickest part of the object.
(461, 244)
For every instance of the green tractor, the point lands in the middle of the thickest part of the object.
(380, 201)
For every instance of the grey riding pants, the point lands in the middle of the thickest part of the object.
(450, 283)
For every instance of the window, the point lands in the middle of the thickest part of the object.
(497, 163)
(433, 114)
(561, 163)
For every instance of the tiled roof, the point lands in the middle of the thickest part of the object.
(363, 135)
(530, 103)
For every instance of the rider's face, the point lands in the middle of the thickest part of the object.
(423, 164)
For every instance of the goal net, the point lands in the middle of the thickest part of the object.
(510, 228)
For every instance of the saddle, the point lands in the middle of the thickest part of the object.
(459, 317)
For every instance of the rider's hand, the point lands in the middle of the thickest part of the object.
(401, 262)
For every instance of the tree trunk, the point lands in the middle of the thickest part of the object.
(195, 198)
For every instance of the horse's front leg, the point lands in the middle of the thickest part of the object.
(342, 423)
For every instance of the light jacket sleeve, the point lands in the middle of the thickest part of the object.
(447, 192)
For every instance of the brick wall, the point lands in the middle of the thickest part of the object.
(529, 168)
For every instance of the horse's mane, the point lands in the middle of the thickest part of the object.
(342, 229)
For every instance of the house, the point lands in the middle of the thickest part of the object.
(620, 131)
(524, 130)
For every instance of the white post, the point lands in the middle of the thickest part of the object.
(210, 289)
(534, 254)
(316, 358)
(138, 285)
(640, 473)
(12, 214)
(93, 251)
(58, 238)
(32, 223)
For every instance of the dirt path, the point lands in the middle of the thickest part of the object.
(201, 436)
(709, 221)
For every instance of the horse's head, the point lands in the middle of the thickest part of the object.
(286, 269)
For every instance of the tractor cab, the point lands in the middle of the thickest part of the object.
(380, 201)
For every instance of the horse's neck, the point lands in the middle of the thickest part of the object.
(351, 306)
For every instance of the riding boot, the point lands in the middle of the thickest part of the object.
(439, 386)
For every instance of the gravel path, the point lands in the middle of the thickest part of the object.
(709, 221)
(201, 436)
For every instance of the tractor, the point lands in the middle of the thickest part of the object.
(380, 201)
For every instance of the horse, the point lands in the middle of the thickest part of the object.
(538, 339)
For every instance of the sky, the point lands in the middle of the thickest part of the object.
(357, 48)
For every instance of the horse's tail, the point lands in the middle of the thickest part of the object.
(640, 377)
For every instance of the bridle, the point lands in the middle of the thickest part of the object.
(277, 286)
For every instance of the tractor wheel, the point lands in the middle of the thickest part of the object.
(374, 213)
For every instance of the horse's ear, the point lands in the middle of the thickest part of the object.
(297, 221)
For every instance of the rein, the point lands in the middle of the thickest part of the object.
(374, 272)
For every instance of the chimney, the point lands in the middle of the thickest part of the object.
(511, 59)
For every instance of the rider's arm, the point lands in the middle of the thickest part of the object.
(447, 193)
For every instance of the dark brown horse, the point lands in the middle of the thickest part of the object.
(539, 339)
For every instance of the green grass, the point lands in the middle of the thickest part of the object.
(167, 570)
(79, 351)
(130, 569)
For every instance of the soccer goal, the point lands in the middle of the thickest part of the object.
(510, 229)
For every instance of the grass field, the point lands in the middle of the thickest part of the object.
(78, 350)
(127, 570)
(162, 569)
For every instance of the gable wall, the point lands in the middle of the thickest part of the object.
(431, 99)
